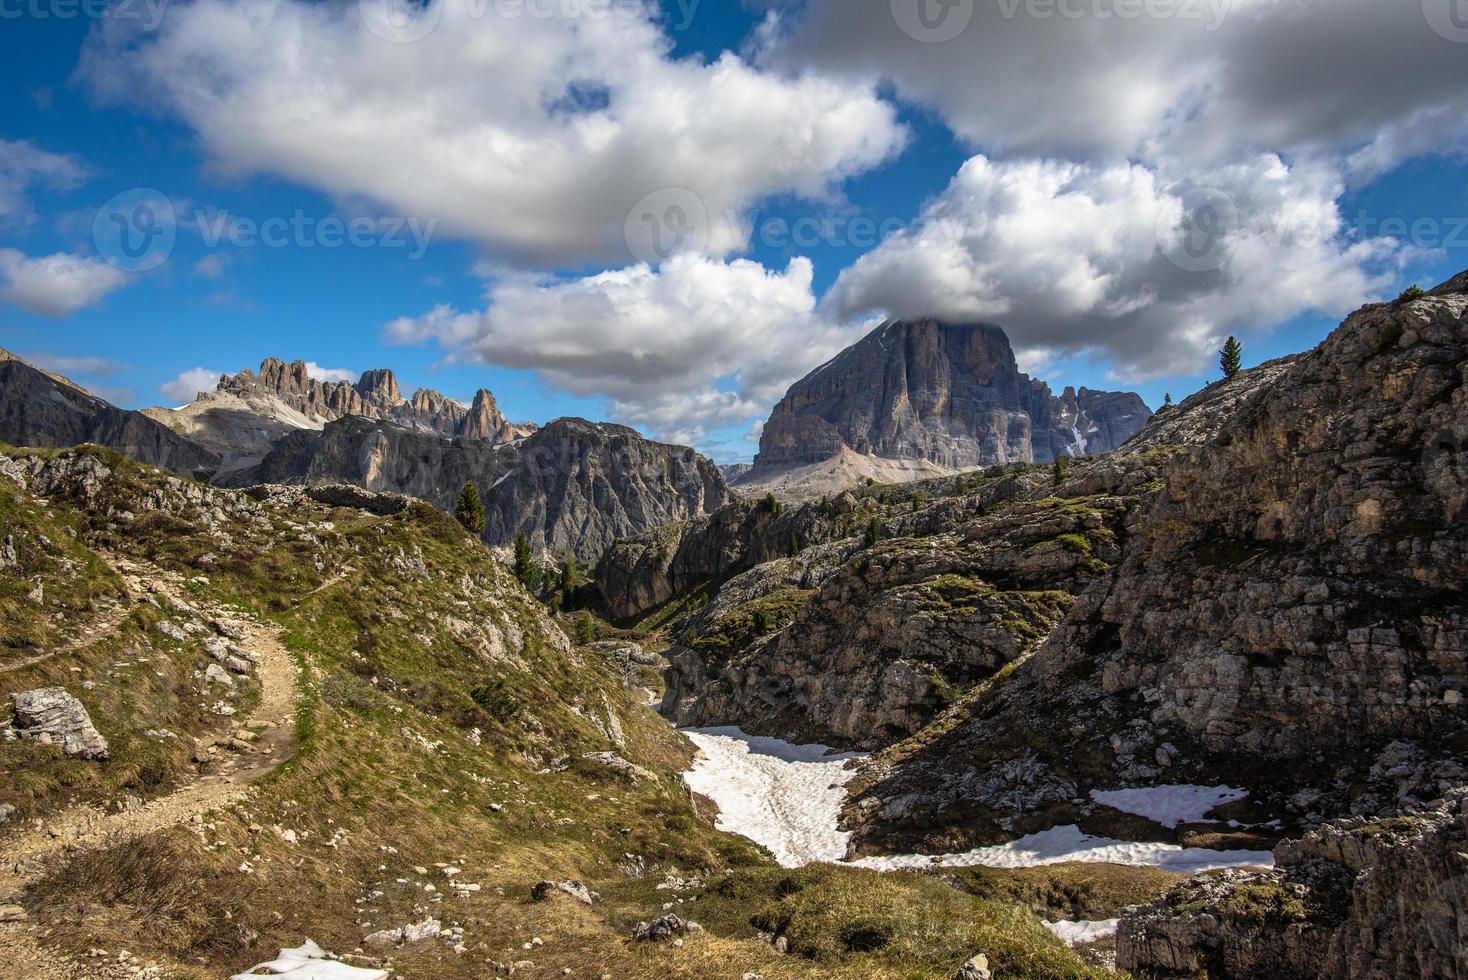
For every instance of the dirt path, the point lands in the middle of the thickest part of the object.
(82, 828)
(110, 619)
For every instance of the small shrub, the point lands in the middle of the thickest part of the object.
(585, 629)
(1411, 293)
(874, 533)
(496, 699)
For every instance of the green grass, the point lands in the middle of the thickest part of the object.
(442, 723)
(1072, 890)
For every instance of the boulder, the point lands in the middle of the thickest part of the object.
(543, 890)
(976, 968)
(664, 929)
(614, 763)
(51, 716)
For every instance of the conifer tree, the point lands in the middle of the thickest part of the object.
(1059, 470)
(1231, 358)
(469, 511)
(525, 568)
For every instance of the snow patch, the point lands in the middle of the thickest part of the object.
(1169, 805)
(786, 797)
(1068, 843)
(1076, 933)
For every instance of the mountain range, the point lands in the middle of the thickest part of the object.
(912, 399)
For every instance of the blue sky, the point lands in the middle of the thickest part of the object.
(890, 138)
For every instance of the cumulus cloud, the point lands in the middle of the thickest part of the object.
(56, 285)
(1117, 260)
(329, 374)
(691, 346)
(24, 165)
(1207, 80)
(188, 384)
(536, 135)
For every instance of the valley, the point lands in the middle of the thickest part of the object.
(1186, 704)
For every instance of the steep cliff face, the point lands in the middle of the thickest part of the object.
(41, 409)
(1288, 608)
(877, 639)
(573, 486)
(948, 394)
(578, 486)
(287, 393)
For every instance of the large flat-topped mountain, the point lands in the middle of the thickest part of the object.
(949, 395)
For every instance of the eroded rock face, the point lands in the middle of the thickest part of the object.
(861, 646)
(577, 486)
(950, 394)
(574, 486)
(1289, 599)
(1354, 899)
(51, 716)
(376, 394)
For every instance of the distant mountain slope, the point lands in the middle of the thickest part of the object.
(949, 395)
(574, 486)
(38, 408)
(249, 413)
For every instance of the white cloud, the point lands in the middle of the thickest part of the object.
(535, 135)
(56, 285)
(1073, 257)
(188, 384)
(329, 374)
(64, 364)
(23, 165)
(1214, 80)
(694, 345)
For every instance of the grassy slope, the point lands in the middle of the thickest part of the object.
(442, 726)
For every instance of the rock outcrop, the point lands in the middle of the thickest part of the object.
(51, 716)
(1355, 899)
(861, 643)
(578, 486)
(1288, 607)
(950, 395)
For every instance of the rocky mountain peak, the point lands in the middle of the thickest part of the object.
(948, 394)
(483, 420)
(380, 387)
